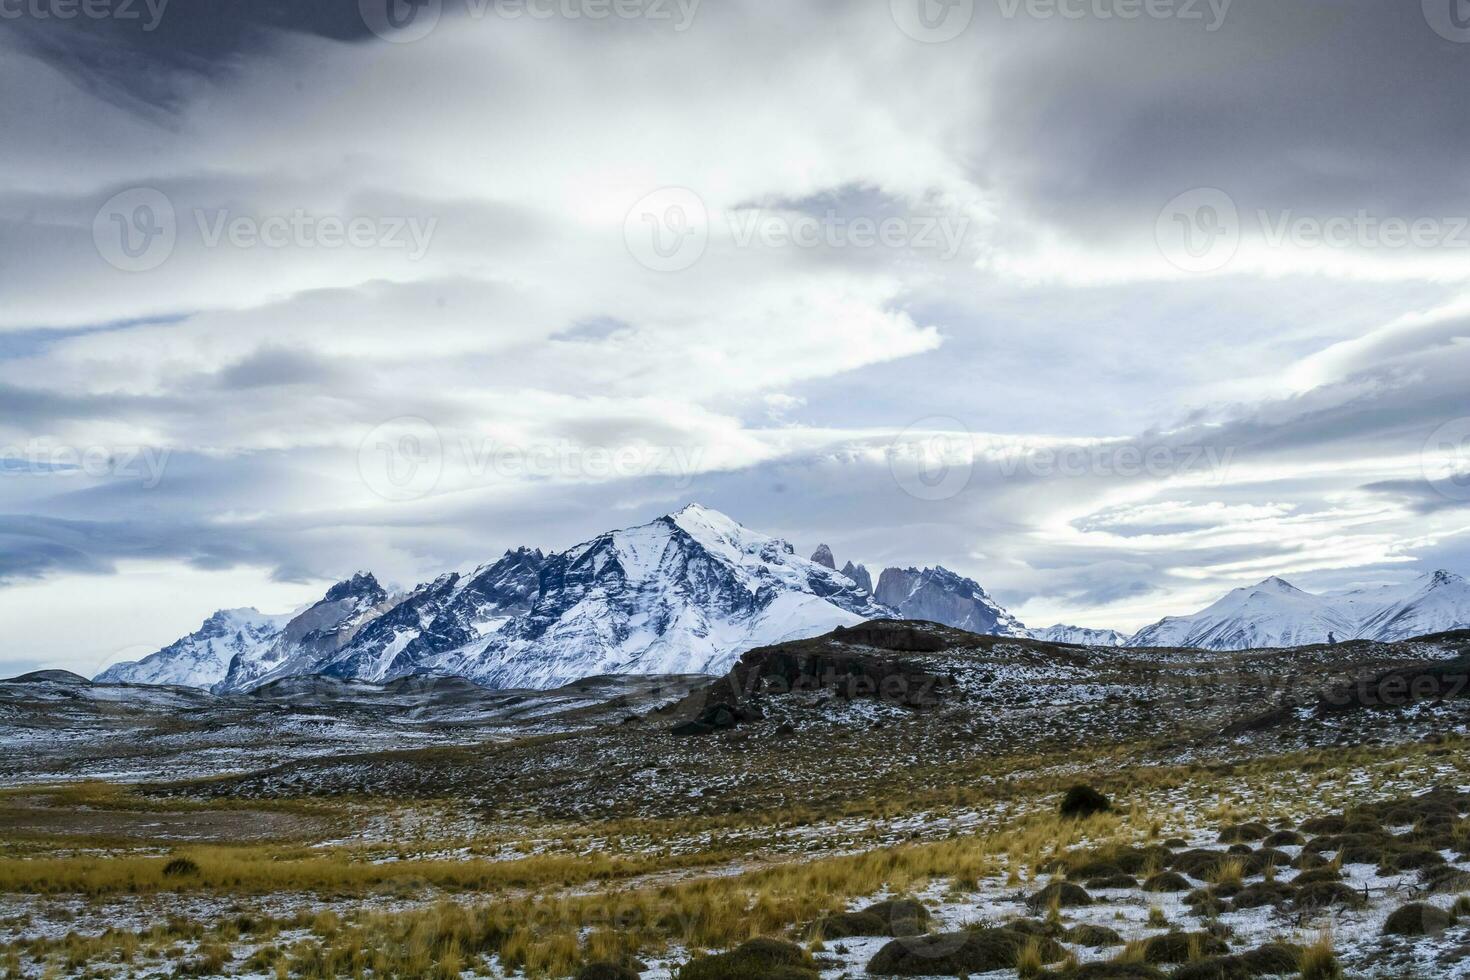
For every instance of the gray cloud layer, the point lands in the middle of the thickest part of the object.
(1026, 326)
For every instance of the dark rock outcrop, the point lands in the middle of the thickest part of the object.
(860, 575)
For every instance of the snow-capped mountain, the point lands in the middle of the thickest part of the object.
(859, 575)
(312, 636)
(1430, 604)
(202, 658)
(687, 593)
(941, 596)
(1080, 636)
(1277, 614)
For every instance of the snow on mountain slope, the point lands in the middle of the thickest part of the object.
(1430, 604)
(202, 658)
(451, 612)
(940, 596)
(1274, 613)
(1081, 636)
(686, 593)
(1277, 614)
(305, 642)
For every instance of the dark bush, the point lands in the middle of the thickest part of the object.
(1084, 801)
(1317, 875)
(180, 867)
(1066, 894)
(1445, 879)
(954, 953)
(1263, 893)
(1409, 859)
(758, 959)
(901, 917)
(1109, 971)
(1244, 833)
(1324, 825)
(1418, 919)
(1273, 959)
(1112, 881)
(607, 971)
(1094, 937)
(1177, 947)
(1328, 894)
(1167, 881)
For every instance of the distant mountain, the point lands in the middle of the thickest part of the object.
(859, 575)
(941, 596)
(311, 637)
(202, 658)
(1081, 636)
(1276, 613)
(684, 594)
(687, 593)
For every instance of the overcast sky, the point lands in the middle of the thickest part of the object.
(1111, 305)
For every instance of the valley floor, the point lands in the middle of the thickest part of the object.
(583, 834)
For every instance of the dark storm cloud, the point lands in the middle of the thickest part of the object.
(1426, 496)
(37, 407)
(146, 58)
(1316, 107)
(271, 366)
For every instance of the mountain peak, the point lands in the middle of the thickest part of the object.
(360, 584)
(1444, 577)
(1277, 584)
(823, 556)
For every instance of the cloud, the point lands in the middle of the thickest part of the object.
(891, 243)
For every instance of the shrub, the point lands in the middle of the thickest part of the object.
(607, 971)
(1112, 881)
(1094, 937)
(1167, 881)
(180, 867)
(1084, 801)
(1327, 894)
(954, 953)
(1317, 875)
(1111, 971)
(758, 959)
(1264, 893)
(901, 917)
(1063, 894)
(1181, 947)
(1244, 833)
(1272, 959)
(1418, 919)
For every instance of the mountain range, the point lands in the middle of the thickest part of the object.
(687, 594)
(1276, 613)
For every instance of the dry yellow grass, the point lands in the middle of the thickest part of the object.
(255, 871)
